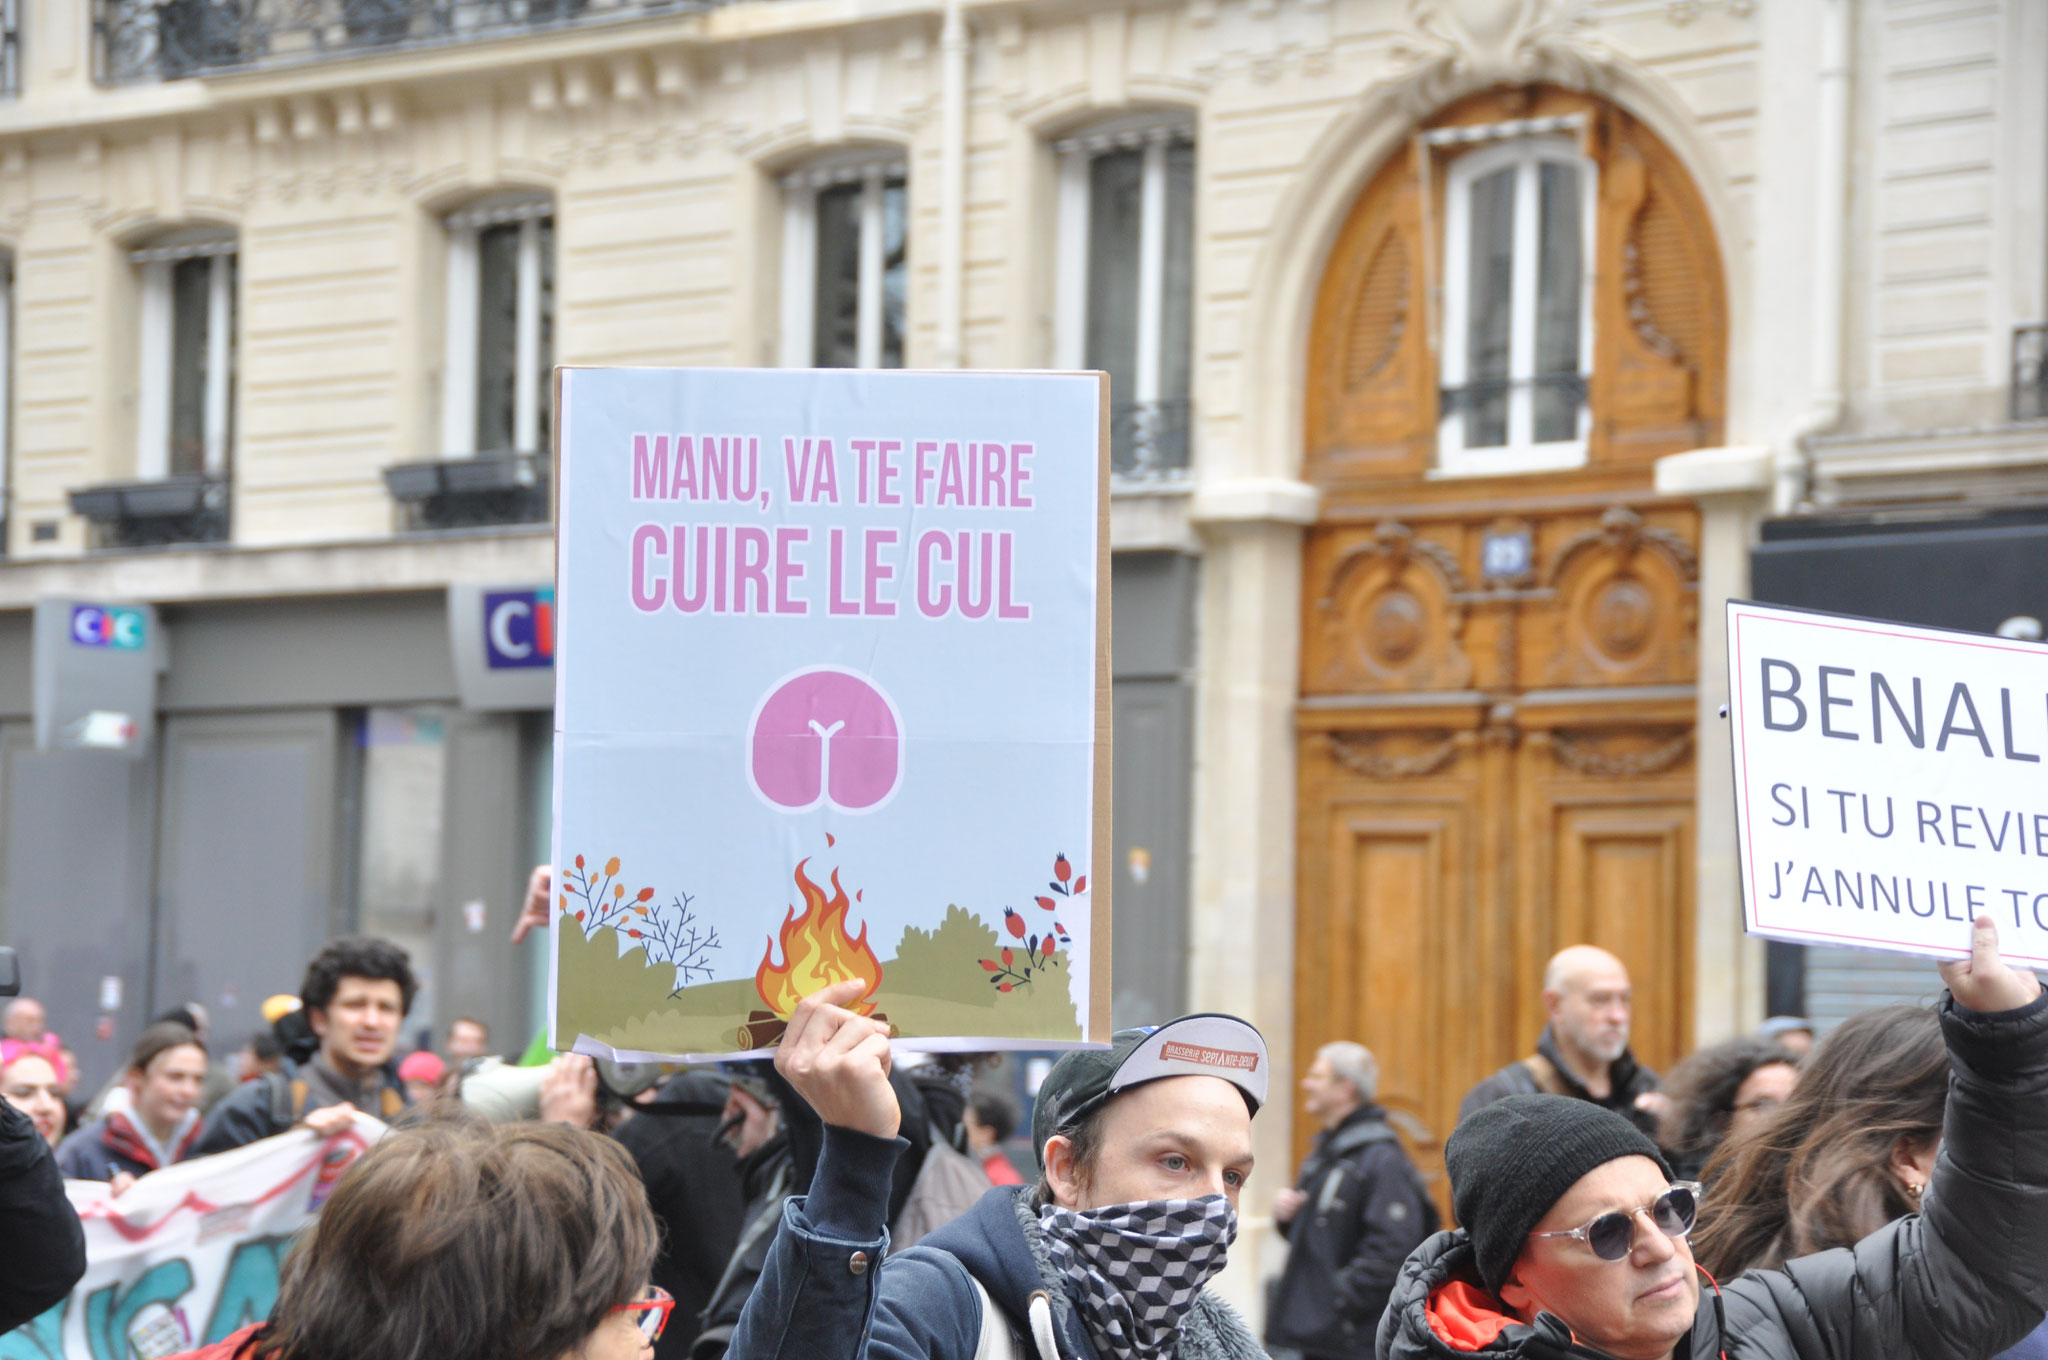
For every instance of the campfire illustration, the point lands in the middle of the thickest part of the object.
(817, 951)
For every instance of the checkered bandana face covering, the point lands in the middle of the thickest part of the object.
(1136, 1268)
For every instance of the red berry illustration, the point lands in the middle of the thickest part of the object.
(1081, 884)
(989, 964)
(1003, 986)
(1062, 870)
(1048, 903)
(1013, 923)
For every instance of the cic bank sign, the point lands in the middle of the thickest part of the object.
(503, 641)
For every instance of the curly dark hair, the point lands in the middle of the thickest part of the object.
(1702, 1091)
(357, 956)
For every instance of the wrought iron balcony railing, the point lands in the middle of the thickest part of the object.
(1148, 440)
(2030, 372)
(146, 40)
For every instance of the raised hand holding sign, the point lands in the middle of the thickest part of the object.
(839, 1062)
(1983, 982)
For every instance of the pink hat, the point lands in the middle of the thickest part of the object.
(48, 1048)
(422, 1066)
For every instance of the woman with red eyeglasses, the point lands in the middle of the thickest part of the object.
(460, 1240)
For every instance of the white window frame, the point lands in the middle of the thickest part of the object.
(461, 338)
(1153, 134)
(156, 361)
(1520, 454)
(874, 171)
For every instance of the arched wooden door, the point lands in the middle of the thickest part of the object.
(1495, 731)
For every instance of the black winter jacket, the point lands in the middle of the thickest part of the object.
(1366, 1210)
(44, 1251)
(1963, 1279)
(1628, 1080)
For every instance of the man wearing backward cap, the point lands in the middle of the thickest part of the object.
(1573, 1241)
(1143, 1149)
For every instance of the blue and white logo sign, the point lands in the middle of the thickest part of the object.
(519, 629)
(108, 626)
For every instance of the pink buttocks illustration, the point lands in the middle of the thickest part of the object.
(825, 735)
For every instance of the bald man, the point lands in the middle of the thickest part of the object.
(1583, 1051)
(24, 1019)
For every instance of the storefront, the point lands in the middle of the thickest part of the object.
(318, 766)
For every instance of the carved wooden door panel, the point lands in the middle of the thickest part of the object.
(1490, 772)
(1392, 831)
(1495, 735)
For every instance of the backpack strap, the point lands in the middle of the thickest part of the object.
(998, 1342)
(1544, 1073)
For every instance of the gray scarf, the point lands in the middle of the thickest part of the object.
(1134, 1274)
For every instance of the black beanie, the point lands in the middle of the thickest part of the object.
(1510, 1161)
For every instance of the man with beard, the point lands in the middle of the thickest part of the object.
(1143, 1149)
(1583, 1050)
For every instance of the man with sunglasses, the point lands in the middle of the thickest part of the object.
(1574, 1236)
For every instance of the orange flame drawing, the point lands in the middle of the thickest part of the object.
(817, 952)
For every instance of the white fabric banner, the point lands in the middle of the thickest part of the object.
(190, 1254)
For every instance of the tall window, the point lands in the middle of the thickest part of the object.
(1518, 307)
(845, 262)
(1126, 281)
(500, 337)
(6, 388)
(186, 374)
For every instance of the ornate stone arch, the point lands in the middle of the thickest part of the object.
(1444, 56)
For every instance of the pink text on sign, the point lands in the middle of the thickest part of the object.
(825, 736)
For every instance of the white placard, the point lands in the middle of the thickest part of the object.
(831, 673)
(1891, 782)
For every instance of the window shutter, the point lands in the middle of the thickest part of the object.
(1372, 397)
(1661, 319)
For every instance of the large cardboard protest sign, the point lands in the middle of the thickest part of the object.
(1891, 782)
(189, 1254)
(831, 664)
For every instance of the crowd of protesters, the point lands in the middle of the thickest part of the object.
(840, 1204)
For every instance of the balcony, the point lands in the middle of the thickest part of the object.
(186, 508)
(150, 40)
(486, 490)
(1148, 440)
(2030, 372)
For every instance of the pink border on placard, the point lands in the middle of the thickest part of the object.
(1742, 616)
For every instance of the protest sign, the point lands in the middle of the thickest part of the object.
(832, 703)
(189, 1254)
(1890, 782)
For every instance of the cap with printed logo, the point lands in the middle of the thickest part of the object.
(1193, 1046)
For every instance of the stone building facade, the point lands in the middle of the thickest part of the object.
(1426, 502)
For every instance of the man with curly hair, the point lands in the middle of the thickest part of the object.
(356, 994)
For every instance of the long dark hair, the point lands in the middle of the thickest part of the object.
(1817, 1173)
(1702, 1091)
(454, 1239)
